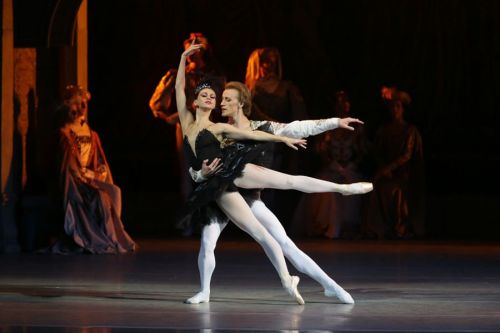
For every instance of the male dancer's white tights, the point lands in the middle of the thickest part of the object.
(269, 233)
(302, 262)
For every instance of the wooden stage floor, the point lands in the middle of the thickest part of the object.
(411, 286)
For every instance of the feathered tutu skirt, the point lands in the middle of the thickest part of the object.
(201, 207)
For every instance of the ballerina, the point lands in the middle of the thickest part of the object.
(202, 140)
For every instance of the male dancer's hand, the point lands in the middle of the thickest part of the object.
(345, 123)
(211, 169)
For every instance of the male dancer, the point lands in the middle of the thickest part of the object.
(236, 105)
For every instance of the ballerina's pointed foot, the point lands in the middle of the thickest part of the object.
(201, 297)
(341, 294)
(356, 188)
(292, 290)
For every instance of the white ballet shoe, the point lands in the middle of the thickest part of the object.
(201, 297)
(355, 188)
(341, 294)
(292, 290)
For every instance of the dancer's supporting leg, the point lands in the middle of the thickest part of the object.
(206, 259)
(301, 261)
(255, 176)
(237, 210)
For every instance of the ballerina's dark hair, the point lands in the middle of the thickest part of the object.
(213, 83)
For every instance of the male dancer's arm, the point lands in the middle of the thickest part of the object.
(206, 170)
(305, 128)
(295, 129)
(197, 175)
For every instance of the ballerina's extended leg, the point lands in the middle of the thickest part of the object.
(259, 177)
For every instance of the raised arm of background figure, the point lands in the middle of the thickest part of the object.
(161, 100)
(185, 117)
(306, 128)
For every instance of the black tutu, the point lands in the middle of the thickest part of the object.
(201, 208)
(201, 202)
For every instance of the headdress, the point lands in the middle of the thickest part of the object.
(341, 96)
(73, 90)
(202, 85)
(199, 39)
(393, 94)
(254, 63)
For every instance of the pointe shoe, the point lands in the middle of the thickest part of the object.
(356, 188)
(292, 290)
(201, 297)
(341, 294)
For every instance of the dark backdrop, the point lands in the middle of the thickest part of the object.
(444, 53)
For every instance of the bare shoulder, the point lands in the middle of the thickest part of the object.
(188, 128)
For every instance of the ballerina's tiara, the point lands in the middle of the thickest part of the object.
(201, 86)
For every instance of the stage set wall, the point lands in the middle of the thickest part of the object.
(444, 53)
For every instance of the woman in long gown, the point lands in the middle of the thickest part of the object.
(91, 202)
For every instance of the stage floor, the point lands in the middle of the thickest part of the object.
(398, 286)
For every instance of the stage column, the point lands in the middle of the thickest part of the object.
(82, 46)
(73, 59)
(8, 232)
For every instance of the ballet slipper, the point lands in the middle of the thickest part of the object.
(292, 290)
(340, 293)
(201, 297)
(355, 188)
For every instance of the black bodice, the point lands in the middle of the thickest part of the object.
(207, 148)
(201, 203)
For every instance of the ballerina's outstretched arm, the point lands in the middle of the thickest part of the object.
(231, 132)
(185, 117)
